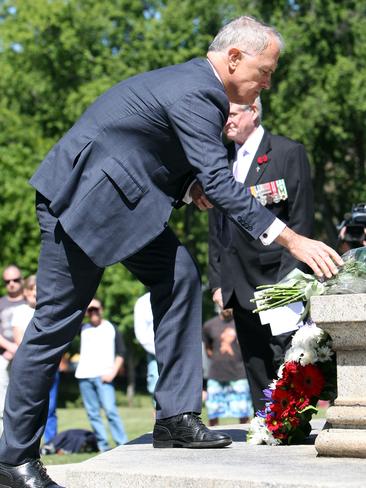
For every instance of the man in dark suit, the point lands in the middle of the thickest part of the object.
(104, 195)
(277, 169)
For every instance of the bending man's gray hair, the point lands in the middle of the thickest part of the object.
(247, 33)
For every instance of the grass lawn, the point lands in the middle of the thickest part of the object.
(138, 419)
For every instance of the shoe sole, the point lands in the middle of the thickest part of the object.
(191, 445)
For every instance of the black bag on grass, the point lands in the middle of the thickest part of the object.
(71, 441)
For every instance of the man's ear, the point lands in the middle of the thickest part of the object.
(255, 114)
(234, 57)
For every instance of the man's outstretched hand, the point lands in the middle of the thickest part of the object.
(322, 259)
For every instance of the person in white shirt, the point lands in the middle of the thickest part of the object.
(23, 314)
(101, 358)
(21, 317)
(144, 332)
(13, 282)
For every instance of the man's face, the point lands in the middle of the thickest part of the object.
(240, 123)
(251, 73)
(94, 312)
(13, 282)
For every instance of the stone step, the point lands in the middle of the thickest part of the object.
(138, 465)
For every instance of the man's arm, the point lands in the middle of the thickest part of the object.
(198, 119)
(118, 363)
(10, 347)
(120, 351)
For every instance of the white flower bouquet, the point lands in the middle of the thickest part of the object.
(298, 286)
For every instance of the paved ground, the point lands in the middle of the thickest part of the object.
(138, 465)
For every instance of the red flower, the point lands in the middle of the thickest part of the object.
(284, 403)
(290, 370)
(262, 159)
(310, 381)
(274, 425)
(302, 403)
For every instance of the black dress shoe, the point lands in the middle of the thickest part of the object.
(28, 475)
(187, 430)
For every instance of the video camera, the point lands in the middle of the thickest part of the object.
(355, 225)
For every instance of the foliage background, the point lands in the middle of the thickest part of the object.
(57, 56)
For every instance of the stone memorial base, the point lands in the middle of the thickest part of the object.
(138, 465)
(344, 318)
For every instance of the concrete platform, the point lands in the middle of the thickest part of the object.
(138, 465)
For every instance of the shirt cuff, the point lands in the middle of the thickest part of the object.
(187, 197)
(273, 231)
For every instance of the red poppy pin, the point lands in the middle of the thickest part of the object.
(262, 159)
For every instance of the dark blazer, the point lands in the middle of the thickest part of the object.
(116, 174)
(240, 264)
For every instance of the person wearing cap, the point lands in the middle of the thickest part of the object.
(102, 354)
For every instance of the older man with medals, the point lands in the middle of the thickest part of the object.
(276, 171)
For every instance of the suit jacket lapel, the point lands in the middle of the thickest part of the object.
(256, 171)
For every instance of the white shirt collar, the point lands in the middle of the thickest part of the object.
(251, 145)
(214, 70)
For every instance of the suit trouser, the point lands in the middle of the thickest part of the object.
(262, 353)
(66, 282)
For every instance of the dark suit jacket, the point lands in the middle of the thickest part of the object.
(239, 264)
(116, 174)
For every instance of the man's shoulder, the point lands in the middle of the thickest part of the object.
(283, 142)
(193, 76)
(6, 303)
(107, 325)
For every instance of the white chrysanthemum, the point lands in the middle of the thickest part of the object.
(308, 357)
(294, 354)
(256, 439)
(256, 424)
(258, 433)
(324, 354)
(307, 336)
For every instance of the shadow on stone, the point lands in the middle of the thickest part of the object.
(237, 435)
(144, 439)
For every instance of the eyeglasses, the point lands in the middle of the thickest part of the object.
(93, 310)
(14, 280)
(246, 52)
